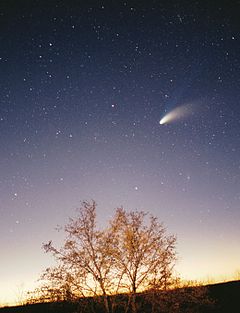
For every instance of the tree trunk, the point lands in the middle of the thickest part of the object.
(107, 304)
(128, 305)
(134, 307)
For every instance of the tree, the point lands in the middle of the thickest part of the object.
(130, 255)
(144, 254)
(86, 257)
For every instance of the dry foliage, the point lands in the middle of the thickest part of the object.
(131, 256)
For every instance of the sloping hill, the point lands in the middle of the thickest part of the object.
(226, 295)
(41, 308)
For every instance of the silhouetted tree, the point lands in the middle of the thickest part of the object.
(144, 253)
(130, 255)
(86, 257)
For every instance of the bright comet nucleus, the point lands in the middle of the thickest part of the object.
(165, 119)
(176, 114)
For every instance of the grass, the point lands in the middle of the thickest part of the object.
(225, 295)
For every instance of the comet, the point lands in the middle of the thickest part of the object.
(176, 114)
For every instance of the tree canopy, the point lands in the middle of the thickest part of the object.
(131, 255)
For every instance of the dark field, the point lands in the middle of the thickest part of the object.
(225, 295)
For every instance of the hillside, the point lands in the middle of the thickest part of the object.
(226, 296)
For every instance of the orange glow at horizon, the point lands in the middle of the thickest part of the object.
(12, 294)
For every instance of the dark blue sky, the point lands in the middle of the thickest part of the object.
(83, 88)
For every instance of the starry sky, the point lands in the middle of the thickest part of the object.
(83, 86)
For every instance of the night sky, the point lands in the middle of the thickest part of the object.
(83, 87)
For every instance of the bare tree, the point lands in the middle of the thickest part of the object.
(144, 253)
(128, 256)
(86, 259)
